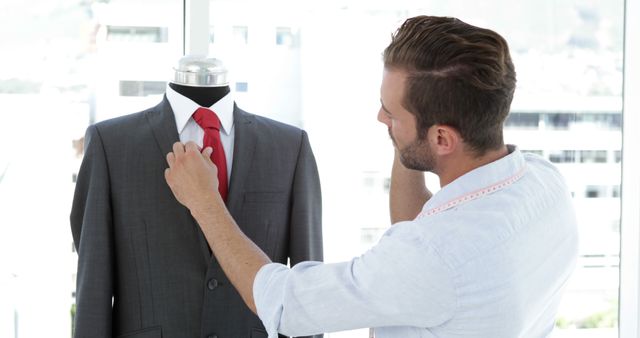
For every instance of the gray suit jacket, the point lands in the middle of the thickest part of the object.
(144, 266)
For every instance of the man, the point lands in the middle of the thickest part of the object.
(486, 256)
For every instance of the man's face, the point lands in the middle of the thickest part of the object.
(415, 153)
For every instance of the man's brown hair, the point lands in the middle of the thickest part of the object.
(458, 75)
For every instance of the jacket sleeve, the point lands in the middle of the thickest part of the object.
(91, 226)
(305, 241)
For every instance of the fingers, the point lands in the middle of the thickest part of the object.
(178, 149)
(171, 159)
(206, 153)
(191, 147)
(167, 176)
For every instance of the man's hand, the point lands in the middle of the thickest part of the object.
(192, 177)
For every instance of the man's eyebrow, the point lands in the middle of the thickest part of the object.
(384, 108)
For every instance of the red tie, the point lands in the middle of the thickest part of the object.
(210, 123)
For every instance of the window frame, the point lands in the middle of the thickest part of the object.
(196, 27)
(629, 296)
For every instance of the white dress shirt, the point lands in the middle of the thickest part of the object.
(183, 109)
(488, 257)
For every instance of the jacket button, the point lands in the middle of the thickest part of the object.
(212, 284)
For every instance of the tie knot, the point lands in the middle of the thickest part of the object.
(206, 118)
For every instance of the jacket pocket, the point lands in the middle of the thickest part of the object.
(264, 218)
(150, 332)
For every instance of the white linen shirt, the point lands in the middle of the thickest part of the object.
(189, 130)
(488, 257)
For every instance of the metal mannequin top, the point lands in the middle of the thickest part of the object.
(200, 71)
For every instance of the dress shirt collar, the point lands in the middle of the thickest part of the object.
(183, 107)
(481, 181)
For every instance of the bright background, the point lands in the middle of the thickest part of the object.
(314, 64)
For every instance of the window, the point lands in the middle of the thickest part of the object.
(595, 191)
(523, 120)
(137, 34)
(368, 182)
(615, 193)
(369, 236)
(612, 120)
(617, 156)
(242, 87)
(537, 152)
(142, 88)
(241, 35)
(559, 120)
(387, 184)
(565, 120)
(284, 37)
(563, 156)
(212, 35)
(19, 86)
(593, 156)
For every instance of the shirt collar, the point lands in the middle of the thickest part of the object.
(183, 107)
(483, 180)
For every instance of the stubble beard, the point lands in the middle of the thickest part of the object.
(417, 155)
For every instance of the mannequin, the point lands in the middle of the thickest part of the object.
(144, 266)
(200, 78)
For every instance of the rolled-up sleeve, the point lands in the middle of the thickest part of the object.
(268, 296)
(402, 281)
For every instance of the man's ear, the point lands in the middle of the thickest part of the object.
(446, 139)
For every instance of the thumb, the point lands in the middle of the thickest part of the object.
(206, 153)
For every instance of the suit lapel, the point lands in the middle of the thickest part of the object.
(163, 125)
(243, 150)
